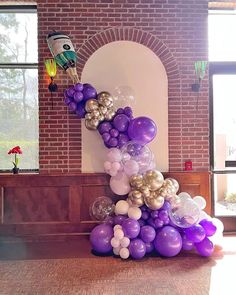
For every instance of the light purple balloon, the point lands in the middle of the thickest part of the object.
(142, 130)
(121, 122)
(147, 233)
(106, 137)
(187, 244)
(78, 87)
(195, 233)
(112, 142)
(168, 241)
(78, 96)
(137, 249)
(80, 111)
(131, 228)
(208, 226)
(72, 106)
(100, 238)
(114, 132)
(104, 127)
(89, 92)
(205, 247)
(163, 215)
(159, 223)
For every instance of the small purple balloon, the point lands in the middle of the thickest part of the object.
(78, 87)
(119, 219)
(120, 111)
(137, 249)
(78, 96)
(131, 228)
(112, 142)
(151, 222)
(195, 233)
(122, 139)
(149, 247)
(141, 222)
(100, 238)
(72, 106)
(205, 247)
(142, 130)
(168, 241)
(67, 100)
(154, 214)
(106, 137)
(128, 112)
(163, 215)
(114, 132)
(70, 91)
(166, 206)
(147, 233)
(80, 111)
(187, 244)
(89, 92)
(145, 215)
(121, 122)
(209, 227)
(104, 127)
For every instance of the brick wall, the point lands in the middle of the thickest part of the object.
(179, 26)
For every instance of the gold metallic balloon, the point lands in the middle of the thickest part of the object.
(88, 116)
(145, 191)
(95, 114)
(135, 198)
(105, 99)
(136, 181)
(91, 104)
(101, 118)
(94, 122)
(88, 125)
(154, 203)
(153, 179)
(109, 115)
(103, 110)
(174, 183)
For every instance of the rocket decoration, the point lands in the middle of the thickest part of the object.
(64, 53)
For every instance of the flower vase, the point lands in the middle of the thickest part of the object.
(15, 170)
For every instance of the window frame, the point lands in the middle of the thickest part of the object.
(19, 9)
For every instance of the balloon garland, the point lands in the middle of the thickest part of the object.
(154, 217)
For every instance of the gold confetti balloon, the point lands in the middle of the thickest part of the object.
(136, 181)
(91, 105)
(135, 198)
(153, 179)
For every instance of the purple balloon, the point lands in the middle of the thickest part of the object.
(89, 92)
(142, 130)
(209, 227)
(145, 215)
(128, 112)
(205, 247)
(147, 233)
(195, 233)
(122, 139)
(154, 214)
(100, 238)
(114, 132)
(80, 111)
(78, 96)
(168, 241)
(119, 219)
(121, 122)
(137, 249)
(78, 87)
(149, 247)
(131, 228)
(187, 244)
(166, 206)
(159, 223)
(70, 91)
(141, 222)
(106, 137)
(68, 100)
(104, 127)
(163, 215)
(120, 111)
(72, 106)
(112, 142)
(151, 222)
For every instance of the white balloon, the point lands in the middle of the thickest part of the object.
(117, 226)
(131, 167)
(219, 225)
(114, 155)
(135, 213)
(112, 172)
(115, 166)
(116, 250)
(115, 243)
(119, 184)
(121, 207)
(107, 166)
(125, 242)
(119, 234)
(200, 201)
(204, 215)
(184, 195)
(124, 253)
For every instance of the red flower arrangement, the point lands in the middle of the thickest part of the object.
(16, 150)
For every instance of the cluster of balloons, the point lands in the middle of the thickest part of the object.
(136, 231)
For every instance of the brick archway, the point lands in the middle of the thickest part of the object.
(163, 53)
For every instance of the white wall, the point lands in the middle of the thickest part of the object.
(133, 70)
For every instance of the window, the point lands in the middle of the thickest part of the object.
(19, 85)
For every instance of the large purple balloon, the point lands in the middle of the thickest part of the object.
(137, 249)
(142, 130)
(89, 92)
(168, 241)
(78, 96)
(80, 111)
(209, 227)
(195, 233)
(131, 228)
(147, 233)
(100, 238)
(205, 247)
(187, 244)
(121, 122)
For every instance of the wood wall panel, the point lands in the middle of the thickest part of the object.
(54, 207)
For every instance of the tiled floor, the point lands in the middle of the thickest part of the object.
(69, 268)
